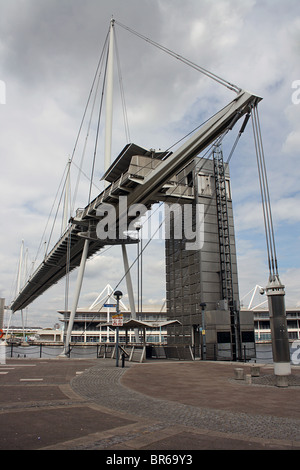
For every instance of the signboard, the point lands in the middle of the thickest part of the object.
(109, 305)
(117, 320)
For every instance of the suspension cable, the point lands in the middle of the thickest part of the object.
(265, 196)
(98, 74)
(188, 62)
(122, 93)
(62, 183)
(238, 137)
(63, 178)
(98, 129)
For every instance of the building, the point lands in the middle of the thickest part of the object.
(32, 334)
(48, 335)
(94, 325)
(263, 329)
(207, 275)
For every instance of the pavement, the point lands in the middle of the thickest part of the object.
(90, 404)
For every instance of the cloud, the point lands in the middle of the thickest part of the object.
(291, 279)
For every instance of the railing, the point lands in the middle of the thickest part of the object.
(179, 352)
(260, 353)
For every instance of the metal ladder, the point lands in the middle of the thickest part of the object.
(224, 244)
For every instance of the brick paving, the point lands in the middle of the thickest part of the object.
(229, 407)
(79, 404)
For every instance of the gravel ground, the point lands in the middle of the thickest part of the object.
(102, 385)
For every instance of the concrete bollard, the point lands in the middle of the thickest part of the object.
(282, 381)
(248, 379)
(255, 371)
(239, 374)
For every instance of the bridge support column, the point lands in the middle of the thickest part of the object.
(2, 307)
(278, 323)
(76, 298)
(129, 289)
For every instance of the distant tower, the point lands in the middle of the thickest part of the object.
(208, 275)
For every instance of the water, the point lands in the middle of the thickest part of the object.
(263, 352)
(48, 352)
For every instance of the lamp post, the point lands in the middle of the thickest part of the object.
(138, 227)
(117, 295)
(203, 305)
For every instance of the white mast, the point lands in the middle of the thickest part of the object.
(107, 161)
(66, 214)
(20, 268)
(76, 297)
(109, 98)
(108, 138)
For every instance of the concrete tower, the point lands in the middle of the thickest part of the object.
(202, 283)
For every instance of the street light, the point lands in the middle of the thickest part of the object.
(117, 295)
(138, 227)
(203, 305)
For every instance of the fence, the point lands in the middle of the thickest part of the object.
(180, 352)
(49, 351)
(261, 353)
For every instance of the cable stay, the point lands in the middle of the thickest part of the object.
(122, 93)
(275, 291)
(265, 196)
(188, 62)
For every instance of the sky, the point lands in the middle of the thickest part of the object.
(49, 50)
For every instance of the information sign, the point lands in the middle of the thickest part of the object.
(117, 320)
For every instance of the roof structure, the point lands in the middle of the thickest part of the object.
(122, 162)
(131, 324)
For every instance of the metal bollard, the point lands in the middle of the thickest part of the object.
(123, 359)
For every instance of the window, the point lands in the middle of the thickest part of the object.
(292, 323)
(204, 185)
(264, 325)
(190, 180)
(223, 337)
(228, 189)
(293, 335)
(247, 337)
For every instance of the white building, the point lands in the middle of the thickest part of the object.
(262, 327)
(94, 326)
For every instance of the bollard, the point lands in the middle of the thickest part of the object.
(255, 371)
(239, 374)
(123, 360)
(282, 381)
(248, 379)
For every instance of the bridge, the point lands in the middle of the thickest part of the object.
(146, 177)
